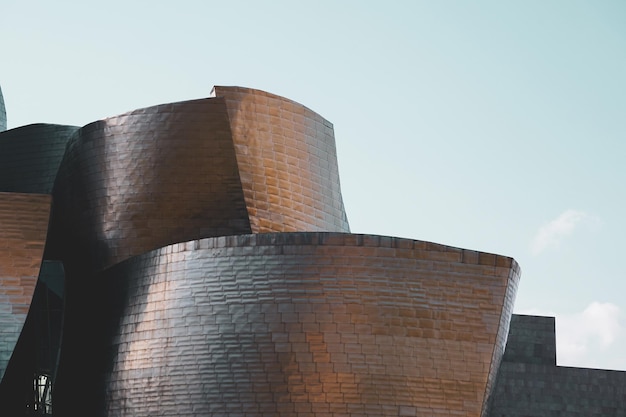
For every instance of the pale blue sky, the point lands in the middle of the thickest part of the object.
(488, 125)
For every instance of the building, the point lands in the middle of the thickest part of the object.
(195, 258)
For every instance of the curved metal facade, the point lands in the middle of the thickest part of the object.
(30, 157)
(183, 171)
(287, 162)
(200, 263)
(297, 324)
(146, 179)
(23, 228)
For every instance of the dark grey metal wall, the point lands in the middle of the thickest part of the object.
(30, 157)
(146, 179)
(530, 384)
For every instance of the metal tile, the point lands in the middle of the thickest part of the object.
(370, 353)
(23, 227)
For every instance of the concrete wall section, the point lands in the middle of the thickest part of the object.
(287, 162)
(296, 324)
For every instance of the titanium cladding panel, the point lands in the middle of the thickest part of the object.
(23, 228)
(30, 157)
(247, 162)
(287, 163)
(145, 179)
(300, 324)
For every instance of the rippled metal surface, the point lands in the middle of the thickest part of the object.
(235, 321)
(36, 353)
(508, 303)
(287, 162)
(30, 157)
(146, 179)
(245, 161)
(23, 227)
(295, 324)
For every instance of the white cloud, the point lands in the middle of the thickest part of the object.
(551, 234)
(584, 336)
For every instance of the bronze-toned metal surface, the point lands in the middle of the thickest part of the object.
(293, 324)
(146, 179)
(508, 303)
(3, 113)
(267, 307)
(30, 157)
(23, 228)
(287, 163)
(195, 169)
(36, 353)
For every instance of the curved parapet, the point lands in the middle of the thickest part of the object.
(3, 113)
(146, 179)
(23, 229)
(287, 163)
(30, 157)
(272, 324)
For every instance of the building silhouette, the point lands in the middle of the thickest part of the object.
(195, 259)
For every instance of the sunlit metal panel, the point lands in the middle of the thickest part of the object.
(287, 162)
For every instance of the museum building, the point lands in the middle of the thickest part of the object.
(195, 259)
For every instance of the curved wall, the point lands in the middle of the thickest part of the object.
(36, 350)
(293, 324)
(246, 161)
(146, 179)
(287, 162)
(23, 229)
(30, 157)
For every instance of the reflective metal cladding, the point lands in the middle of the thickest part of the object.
(145, 179)
(271, 324)
(199, 262)
(30, 157)
(23, 228)
(287, 162)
